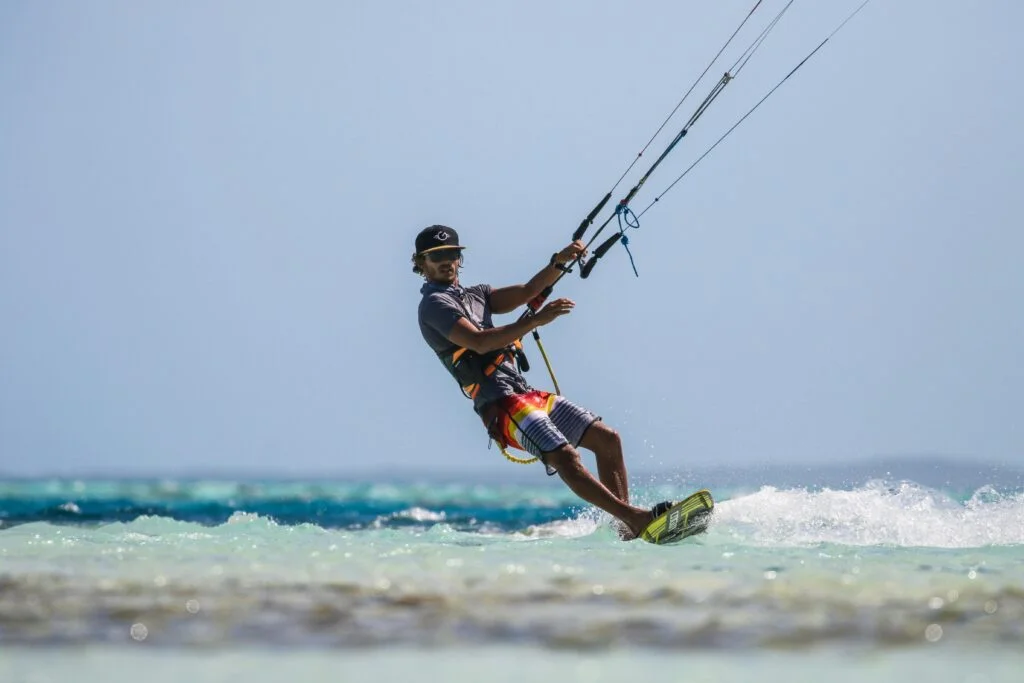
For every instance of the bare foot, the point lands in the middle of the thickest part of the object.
(645, 518)
(639, 523)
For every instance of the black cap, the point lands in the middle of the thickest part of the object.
(437, 237)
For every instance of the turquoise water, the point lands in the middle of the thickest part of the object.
(879, 572)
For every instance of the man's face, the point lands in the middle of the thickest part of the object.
(442, 265)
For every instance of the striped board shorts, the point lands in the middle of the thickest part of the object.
(537, 422)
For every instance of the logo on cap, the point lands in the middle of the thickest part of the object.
(441, 235)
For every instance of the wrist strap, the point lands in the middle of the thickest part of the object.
(554, 262)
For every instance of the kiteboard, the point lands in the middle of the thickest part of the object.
(686, 518)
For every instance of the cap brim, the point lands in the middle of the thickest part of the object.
(446, 246)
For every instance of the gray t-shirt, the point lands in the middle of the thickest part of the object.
(440, 307)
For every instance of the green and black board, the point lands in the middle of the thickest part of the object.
(687, 517)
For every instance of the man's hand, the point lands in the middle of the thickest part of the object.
(571, 253)
(554, 309)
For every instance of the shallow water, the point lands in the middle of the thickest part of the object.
(425, 571)
(497, 664)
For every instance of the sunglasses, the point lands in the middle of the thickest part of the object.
(442, 255)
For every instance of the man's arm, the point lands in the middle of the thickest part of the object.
(508, 299)
(467, 335)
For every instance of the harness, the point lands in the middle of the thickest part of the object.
(470, 369)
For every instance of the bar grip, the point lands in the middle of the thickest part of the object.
(598, 253)
(590, 218)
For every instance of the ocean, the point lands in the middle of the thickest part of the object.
(888, 571)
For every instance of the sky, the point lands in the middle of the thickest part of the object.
(207, 211)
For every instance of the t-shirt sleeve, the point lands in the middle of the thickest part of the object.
(485, 291)
(440, 315)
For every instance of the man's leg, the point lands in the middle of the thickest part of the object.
(611, 466)
(566, 461)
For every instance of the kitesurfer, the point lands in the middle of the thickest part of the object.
(456, 322)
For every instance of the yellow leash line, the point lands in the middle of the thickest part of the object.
(544, 354)
(512, 458)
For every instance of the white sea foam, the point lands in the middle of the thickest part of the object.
(419, 514)
(577, 527)
(903, 514)
(242, 517)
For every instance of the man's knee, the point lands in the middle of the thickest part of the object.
(611, 436)
(603, 437)
(565, 457)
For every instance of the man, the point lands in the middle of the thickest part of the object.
(456, 323)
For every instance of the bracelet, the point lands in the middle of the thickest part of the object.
(553, 263)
